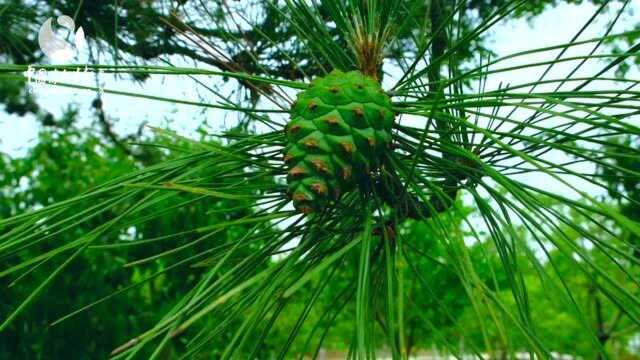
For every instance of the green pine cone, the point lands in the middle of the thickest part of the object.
(339, 129)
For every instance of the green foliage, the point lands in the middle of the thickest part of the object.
(399, 263)
(67, 161)
(584, 323)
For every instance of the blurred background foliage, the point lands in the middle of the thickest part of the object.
(69, 159)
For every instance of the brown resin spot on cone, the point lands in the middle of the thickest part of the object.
(331, 120)
(311, 143)
(347, 147)
(294, 129)
(371, 141)
(358, 111)
(381, 113)
(300, 197)
(334, 89)
(287, 158)
(305, 209)
(312, 105)
(320, 165)
(319, 188)
(346, 173)
(297, 171)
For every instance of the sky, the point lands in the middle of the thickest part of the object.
(555, 26)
